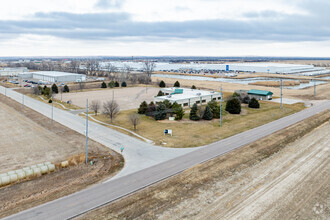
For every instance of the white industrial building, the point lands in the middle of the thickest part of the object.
(9, 71)
(187, 97)
(54, 76)
(261, 67)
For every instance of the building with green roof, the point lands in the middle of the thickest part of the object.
(260, 94)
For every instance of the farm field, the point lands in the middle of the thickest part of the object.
(322, 91)
(187, 133)
(127, 98)
(28, 138)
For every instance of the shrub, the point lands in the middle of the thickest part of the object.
(160, 112)
(246, 100)
(253, 103)
(116, 84)
(162, 84)
(193, 113)
(167, 104)
(177, 84)
(178, 111)
(143, 108)
(233, 106)
(54, 88)
(193, 87)
(66, 88)
(123, 84)
(46, 92)
(50, 101)
(235, 95)
(103, 85)
(208, 115)
(151, 109)
(160, 93)
(111, 84)
(215, 108)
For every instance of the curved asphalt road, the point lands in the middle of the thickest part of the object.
(98, 195)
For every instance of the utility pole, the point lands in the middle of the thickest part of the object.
(281, 95)
(5, 91)
(314, 89)
(113, 95)
(52, 108)
(220, 104)
(86, 131)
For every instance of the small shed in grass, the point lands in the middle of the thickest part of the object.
(260, 94)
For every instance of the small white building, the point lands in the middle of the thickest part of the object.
(187, 97)
(54, 76)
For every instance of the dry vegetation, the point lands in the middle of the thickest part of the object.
(322, 91)
(187, 133)
(275, 83)
(32, 138)
(154, 201)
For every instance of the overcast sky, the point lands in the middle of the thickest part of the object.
(167, 27)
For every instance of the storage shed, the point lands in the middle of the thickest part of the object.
(260, 94)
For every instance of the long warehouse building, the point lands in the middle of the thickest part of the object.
(54, 76)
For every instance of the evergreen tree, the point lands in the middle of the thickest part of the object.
(160, 93)
(208, 115)
(233, 106)
(143, 108)
(177, 84)
(253, 103)
(193, 113)
(116, 84)
(162, 84)
(103, 85)
(111, 84)
(167, 104)
(54, 88)
(47, 92)
(160, 112)
(178, 111)
(246, 100)
(215, 108)
(123, 84)
(66, 88)
(193, 87)
(151, 109)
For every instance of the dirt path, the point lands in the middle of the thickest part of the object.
(283, 186)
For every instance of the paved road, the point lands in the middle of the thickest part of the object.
(138, 154)
(95, 196)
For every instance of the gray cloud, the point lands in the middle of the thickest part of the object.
(266, 25)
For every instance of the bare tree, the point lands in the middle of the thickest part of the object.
(111, 109)
(95, 106)
(134, 119)
(148, 67)
(111, 69)
(81, 85)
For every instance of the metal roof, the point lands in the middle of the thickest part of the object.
(259, 92)
(55, 73)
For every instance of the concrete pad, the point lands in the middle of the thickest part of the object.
(287, 101)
